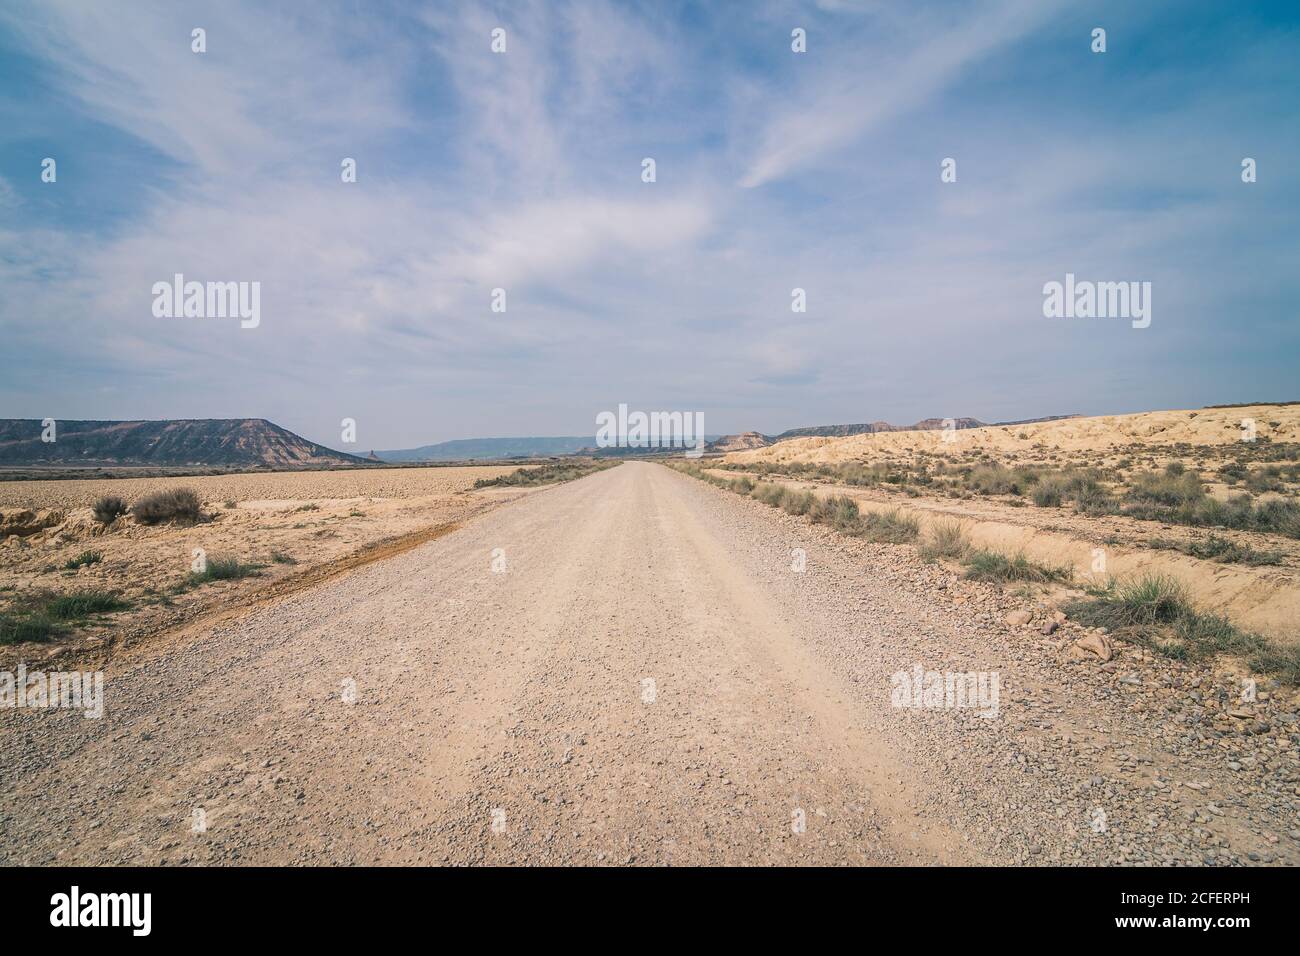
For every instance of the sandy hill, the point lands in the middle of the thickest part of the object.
(742, 442)
(217, 442)
(1206, 426)
(843, 431)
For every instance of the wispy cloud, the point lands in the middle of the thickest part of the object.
(861, 82)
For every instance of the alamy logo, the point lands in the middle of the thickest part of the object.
(1084, 299)
(103, 909)
(208, 300)
(68, 690)
(653, 430)
(936, 690)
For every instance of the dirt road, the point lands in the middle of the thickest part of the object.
(623, 669)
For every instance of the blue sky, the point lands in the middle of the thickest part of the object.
(522, 170)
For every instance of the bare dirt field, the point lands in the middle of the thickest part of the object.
(269, 528)
(637, 668)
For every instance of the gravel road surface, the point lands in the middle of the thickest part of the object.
(632, 669)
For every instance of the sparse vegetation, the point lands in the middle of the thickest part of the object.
(176, 504)
(279, 557)
(17, 628)
(83, 560)
(1154, 611)
(1222, 550)
(946, 539)
(79, 605)
(892, 527)
(223, 569)
(108, 509)
(837, 511)
(1049, 493)
(984, 565)
(41, 615)
(550, 473)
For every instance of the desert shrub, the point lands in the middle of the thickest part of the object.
(893, 526)
(799, 502)
(1282, 517)
(1160, 502)
(108, 509)
(1233, 472)
(1049, 493)
(861, 474)
(279, 557)
(947, 539)
(1267, 479)
(1176, 490)
(985, 565)
(1150, 599)
(769, 493)
(998, 480)
(839, 512)
(176, 504)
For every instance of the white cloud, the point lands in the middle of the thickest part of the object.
(861, 85)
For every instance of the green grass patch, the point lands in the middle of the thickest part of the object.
(17, 628)
(223, 569)
(84, 559)
(983, 565)
(78, 605)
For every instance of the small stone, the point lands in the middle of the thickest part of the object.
(1092, 647)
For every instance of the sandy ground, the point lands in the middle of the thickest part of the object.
(1264, 599)
(1115, 448)
(629, 669)
(288, 523)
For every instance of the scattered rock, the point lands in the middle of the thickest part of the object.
(1094, 646)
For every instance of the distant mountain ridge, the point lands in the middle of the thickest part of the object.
(217, 442)
(465, 449)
